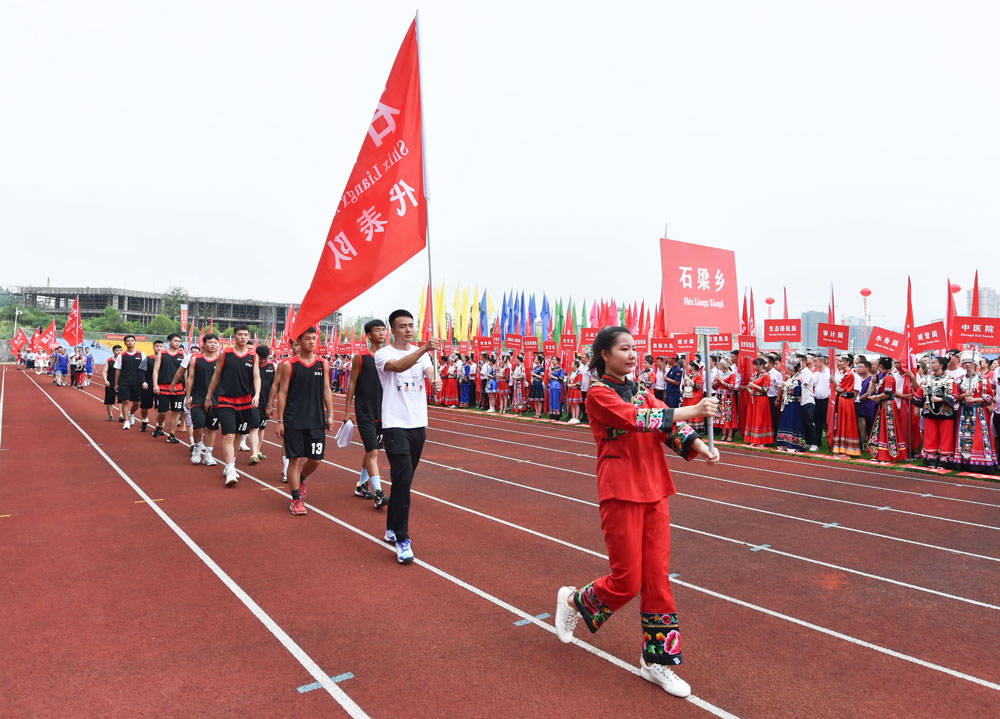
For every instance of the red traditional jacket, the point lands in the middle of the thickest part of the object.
(630, 427)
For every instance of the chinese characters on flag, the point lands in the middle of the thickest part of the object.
(381, 220)
(721, 342)
(661, 346)
(928, 337)
(886, 342)
(782, 330)
(73, 331)
(699, 287)
(975, 330)
(20, 340)
(833, 335)
(47, 339)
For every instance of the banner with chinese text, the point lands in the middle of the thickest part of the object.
(699, 287)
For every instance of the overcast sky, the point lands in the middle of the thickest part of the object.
(206, 144)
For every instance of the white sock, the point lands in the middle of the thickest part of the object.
(364, 476)
(200, 446)
(284, 466)
(231, 466)
(376, 483)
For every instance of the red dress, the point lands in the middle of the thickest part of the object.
(573, 393)
(503, 380)
(844, 438)
(697, 393)
(885, 444)
(449, 386)
(759, 428)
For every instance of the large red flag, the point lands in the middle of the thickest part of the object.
(975, 296)
(786, 349)
(73, 331)
(47, 340)
(381, 220)
(20, 340)
(34, 345)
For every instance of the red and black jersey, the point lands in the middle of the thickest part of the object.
(170, 362)
(203, 370)
(304, 399)
(130, 371)
(236, 380)
(267, 370)
(110, 371)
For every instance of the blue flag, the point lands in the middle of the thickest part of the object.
(546, 318)
(520, 318)
(484, 322)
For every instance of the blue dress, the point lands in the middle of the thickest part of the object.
(537, 386)
(555, 390)
(792, 426)
(464, 386)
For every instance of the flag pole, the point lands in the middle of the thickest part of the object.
(423, 159)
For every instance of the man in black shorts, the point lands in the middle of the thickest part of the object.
(147, 400)
(237, 379)
(200, 368)
(303, 394)
(128, 380)
(259, 414)
(364, 409)
(110, 398)
(169, 396)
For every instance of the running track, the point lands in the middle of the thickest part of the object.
(805, 589)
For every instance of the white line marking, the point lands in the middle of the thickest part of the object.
(293, 648)
(3, 387)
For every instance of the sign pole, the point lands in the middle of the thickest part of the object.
(706, 333)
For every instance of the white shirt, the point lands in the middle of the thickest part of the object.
(808, 380)
(118, 362)
(659, 382)
(585, 379)
(821, 383)
(776, 381)
(956, 374)
(404, 395)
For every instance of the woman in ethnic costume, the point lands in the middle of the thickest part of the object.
(937, 396)
(844, 438)
(557, 376)
(464, 382)
(517, 385)
(449, 389)
(692, 390)
(537, 394)
(886, 445)
(791, 435)
(491, 384)
(724, 382)
(758, 430)
(503, 384)
(574, 396)
(974, 448)
(630, 427)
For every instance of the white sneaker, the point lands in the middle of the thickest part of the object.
(126, 424)
(196, 455)
(664, 676)
(244, 447)
(574, 421)
(566, 618)
(813, 448)
(208, 460)
(232, 477)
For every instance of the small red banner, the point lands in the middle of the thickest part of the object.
(782, 330)
(928, 337)
(588, 335)
(975, 330)
(641, 345)
(531, 344)
(721, 342)
(661, 346)
(886, 342)
(463, 347)
(748, 343)
(685, 343)
(567, 342)
(514, 342)
(833, 335)
(550, 348)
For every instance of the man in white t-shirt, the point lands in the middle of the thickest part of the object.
(821, 393)
(402, 370)
(808, 401)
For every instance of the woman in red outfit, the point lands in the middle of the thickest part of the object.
(844, 438)
(631, 428)
(885, 443)
(759, 429)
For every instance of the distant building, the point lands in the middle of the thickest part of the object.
(989, 302)
(137, 306)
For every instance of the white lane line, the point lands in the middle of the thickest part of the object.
(718, 595)
(339, 695)
(3, 387)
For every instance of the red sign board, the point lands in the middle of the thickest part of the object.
(588, 334)
(567, 342)
(748, 343)
(514, 342)
(138, 338)
(550, 348)
(482, 344)
(887, 342)
(685, 343)
(531, 344)
(699, 287)
(721, 342)
(661, 346)
(463, 347)
(782, 330)
(975, 330)
(928, 337)
(641, 345)
(833, 335)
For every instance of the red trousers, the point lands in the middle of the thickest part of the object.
(939, 438)
(638, 539)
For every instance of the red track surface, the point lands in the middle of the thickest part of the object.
(109, 613)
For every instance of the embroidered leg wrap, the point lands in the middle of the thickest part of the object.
(661, 640)
(592, 609)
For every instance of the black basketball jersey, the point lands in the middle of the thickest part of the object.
(236, 380)
(304, 400)
(169, 364)
(368, 390)
(130, 372)
(203, 371)
(267, 371)
(110, 371)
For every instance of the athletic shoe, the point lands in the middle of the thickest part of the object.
(232, 477)
(404, 554)
(664, 676)
(157, 431)
(363, 490)
(208, 460)
(261, 456)
(111, 419)
(380, 499)
(284, 479)
(121, 418)
(126, 425)
(303, 492)
(254, 459)
(297, 507)
(566, 618)
(390, 536)
(173, 440)
(813, 448)
(196, 455)
(244, 447)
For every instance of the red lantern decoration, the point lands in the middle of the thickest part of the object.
(865, 292)
(769, 301)
(955, 287)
